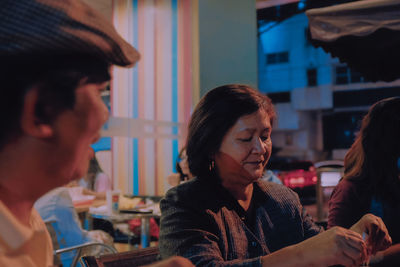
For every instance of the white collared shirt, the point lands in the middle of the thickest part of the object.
(21, 245)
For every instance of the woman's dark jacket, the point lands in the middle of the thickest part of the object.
(201, 221)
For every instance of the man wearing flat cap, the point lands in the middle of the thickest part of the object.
(55, 57)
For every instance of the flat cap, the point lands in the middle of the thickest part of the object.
(60, 27)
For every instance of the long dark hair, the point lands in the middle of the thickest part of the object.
(374, 154)
(182, 175)
(94, 169)
(214, 115)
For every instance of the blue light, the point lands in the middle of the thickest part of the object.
(301, 5)
(104, 143)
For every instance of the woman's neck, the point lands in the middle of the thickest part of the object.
(242, 193)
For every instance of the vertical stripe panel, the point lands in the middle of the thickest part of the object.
(148, 38)
(157, 70)
(159, 88)
(181, 70)
(174, 67)
(195, 52)
(135, 101)
(113, 99)
(187, 64)
(164, 87)
(142, 23)
(121, 99)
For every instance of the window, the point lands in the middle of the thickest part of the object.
(312, 77)
(276, 58)
(342, 75)
(345, 75)
(281, 97)
(340, 129)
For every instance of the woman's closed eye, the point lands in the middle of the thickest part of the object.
(262, 138)
(245, 139)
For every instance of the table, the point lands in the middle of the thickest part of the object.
(83, 209)
(124, 217)
(80, 208)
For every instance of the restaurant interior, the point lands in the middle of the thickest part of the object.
(188, 47)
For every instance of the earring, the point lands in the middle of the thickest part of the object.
(211, 165)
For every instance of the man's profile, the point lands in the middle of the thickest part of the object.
(55, 57)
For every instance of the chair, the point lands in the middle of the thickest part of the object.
(78, 248)
(138, 257)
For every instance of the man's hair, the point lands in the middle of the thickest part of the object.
(215, 114)
(374, 154)
(56, 79)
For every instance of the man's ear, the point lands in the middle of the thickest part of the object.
(30, 123)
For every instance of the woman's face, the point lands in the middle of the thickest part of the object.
(245, 149)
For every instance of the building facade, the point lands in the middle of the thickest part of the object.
(319, 100)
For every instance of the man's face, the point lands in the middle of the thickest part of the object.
(75, 130)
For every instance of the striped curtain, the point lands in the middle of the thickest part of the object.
(151, 103)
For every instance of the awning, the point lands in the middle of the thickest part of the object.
(363, 34)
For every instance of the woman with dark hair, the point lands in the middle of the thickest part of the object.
(182, 167)
(371, 181)
(227, 216)
(95, 182)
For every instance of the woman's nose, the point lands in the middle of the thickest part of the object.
(259, 146)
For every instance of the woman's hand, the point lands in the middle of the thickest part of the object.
(378, 236)
(337, 246)
(334, 246)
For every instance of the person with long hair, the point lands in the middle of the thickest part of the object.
(228, 216)
(371, 182)
(182, 167)
(95, 182)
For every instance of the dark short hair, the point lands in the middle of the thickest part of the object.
(56, 78)
(214, 115)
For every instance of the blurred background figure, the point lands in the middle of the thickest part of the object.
(183, 173)
(371, 181)
(95, 182)
(269, 176)
(57, 211)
